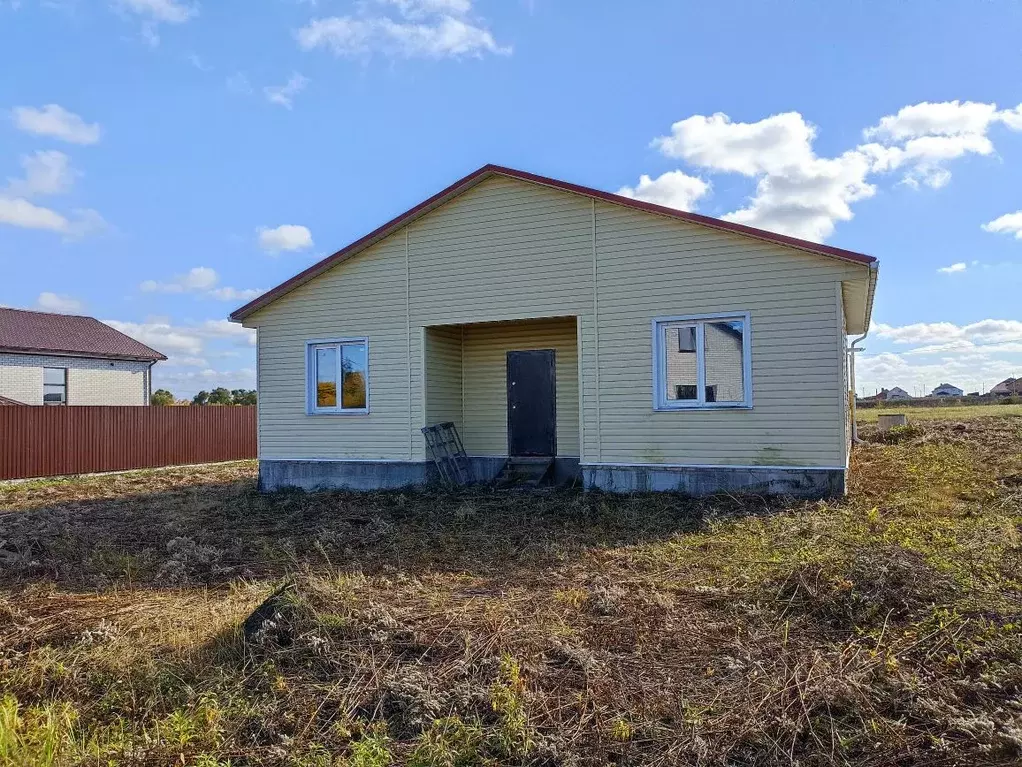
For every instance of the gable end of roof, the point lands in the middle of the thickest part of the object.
(487, 171)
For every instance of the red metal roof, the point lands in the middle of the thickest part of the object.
(28, 332)
(469, 181)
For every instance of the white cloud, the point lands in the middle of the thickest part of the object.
(169, 11)
(797, 193)
(200, 280)
(227, 330)
(982, 332)
(422, 29)
(284, 237)
(197, 279)
(804, 195)
(234, 294)
(162, 336)
(284, 94)
(924, 136)
(55, 121)
(22, 213)
(1009, 223)
(954, 268)
(949, 118)
(674, 189)
(188, 340)
(772, 145)
(52, 302)
(17, 211)
(46, 173)
(156, 12)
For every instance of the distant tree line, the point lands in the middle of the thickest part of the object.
(219, 396)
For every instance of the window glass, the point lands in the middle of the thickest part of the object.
(682, 372)
(354, 371)
(687, 339)
(55, 386)
(326, 376)
(725, 369)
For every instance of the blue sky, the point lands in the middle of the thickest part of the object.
(161, 160)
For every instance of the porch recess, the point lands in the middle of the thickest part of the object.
(466, 378)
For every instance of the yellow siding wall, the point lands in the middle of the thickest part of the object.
(486, 348)
(652, 266)
(508, 250)
(364, 297)
(444, 376)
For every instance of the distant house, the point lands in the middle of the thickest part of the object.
(947, 390)
(60, 359)
(887, 395)
(1007, 386)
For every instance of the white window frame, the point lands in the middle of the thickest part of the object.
(310, 376)
(660, 401)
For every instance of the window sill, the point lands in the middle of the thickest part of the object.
(337, 412)
(684, 408)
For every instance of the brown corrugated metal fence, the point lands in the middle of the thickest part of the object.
(53, 441)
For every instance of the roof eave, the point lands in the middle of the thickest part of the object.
(156, 357)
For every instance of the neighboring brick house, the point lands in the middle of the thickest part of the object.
(61, 359)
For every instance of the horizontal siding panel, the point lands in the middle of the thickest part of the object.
(650, 266)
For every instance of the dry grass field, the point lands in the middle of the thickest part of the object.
(492, 627)
(951, 413)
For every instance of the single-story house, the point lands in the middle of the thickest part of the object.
(1007, 387)
(60, 359)
(947, 390)
(893, 394)
(636, 346)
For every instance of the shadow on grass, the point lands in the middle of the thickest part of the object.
(214, 532)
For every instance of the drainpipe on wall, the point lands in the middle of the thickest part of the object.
(851, 372)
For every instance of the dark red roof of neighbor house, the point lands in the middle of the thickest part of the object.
(28, 332)
(469, 181)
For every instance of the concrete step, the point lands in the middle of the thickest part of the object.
(525, 472)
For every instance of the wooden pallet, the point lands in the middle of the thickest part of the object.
(448, 453)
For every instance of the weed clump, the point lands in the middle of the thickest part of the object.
(869, 587)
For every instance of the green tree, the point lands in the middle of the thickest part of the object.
(202, 398)
(243, 396)
(161, 397)
(219, 396)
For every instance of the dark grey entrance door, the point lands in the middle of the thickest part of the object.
(531, 403)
